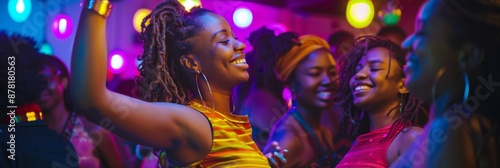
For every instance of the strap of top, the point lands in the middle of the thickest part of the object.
(323, 153)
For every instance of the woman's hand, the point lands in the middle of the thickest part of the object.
(277, 158)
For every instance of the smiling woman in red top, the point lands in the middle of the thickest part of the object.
(380, 113)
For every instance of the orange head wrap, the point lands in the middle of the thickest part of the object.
(288, 62)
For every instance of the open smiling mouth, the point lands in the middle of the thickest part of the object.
(360, 89)
(240, 60)
(325, 95)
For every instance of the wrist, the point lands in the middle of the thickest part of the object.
(100, 7)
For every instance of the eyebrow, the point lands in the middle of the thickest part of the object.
(372, 62)
(220, 31)
(375, 61)
(320, 68)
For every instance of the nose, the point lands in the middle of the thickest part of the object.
(407, 43)
(361, 74)
(239, 46)
(328, 79)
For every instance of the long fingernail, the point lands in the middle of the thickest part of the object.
(272, 161)
(280, 157)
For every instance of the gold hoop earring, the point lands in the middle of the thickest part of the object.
(198, 87)
(466, 87)
(209, 89)
(436, 80)
(232, 103)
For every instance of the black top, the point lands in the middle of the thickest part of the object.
(35, 146)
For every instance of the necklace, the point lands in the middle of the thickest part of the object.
(325, 154)
(69, 125)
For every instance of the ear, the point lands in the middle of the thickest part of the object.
(65, 82)
(470, 57)
(402, 88)
(190, 63)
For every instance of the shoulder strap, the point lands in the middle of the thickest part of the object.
(317, 145)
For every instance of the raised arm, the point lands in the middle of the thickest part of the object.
(160, 125)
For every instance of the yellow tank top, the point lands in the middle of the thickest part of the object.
(232, 144)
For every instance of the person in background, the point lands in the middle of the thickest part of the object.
(25, 139)
(95, 146)
(453, 64)
(303, 64)
(394, 33)
(264, 104)
(340, 42)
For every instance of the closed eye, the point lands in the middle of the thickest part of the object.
(225, 42)
(314, 74)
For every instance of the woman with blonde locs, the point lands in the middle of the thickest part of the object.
(191, 62)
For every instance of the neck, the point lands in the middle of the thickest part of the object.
(443, 102)
(219, 102)
(378, 118)
(56, 117)
(212, 97)
(311, 115)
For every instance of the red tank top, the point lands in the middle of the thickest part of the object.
(369, 150)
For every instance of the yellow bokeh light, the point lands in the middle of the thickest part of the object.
(138, 16)
(31, 116)
(359, 13)
(188, 4)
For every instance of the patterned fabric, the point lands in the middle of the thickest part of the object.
(232, 141)
(369, 150)
(84, 145)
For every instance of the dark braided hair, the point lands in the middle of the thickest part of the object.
(165, 40)
(267, 48)
(354, 123)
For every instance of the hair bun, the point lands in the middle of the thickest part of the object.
(261, 35)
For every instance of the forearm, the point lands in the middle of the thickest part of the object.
(89, 61)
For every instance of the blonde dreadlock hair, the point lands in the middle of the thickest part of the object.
(161, 74)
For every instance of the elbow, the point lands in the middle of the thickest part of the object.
(86, 101)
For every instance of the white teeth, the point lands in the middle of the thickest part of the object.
(239, 61)
(362, 87)
(325, 94)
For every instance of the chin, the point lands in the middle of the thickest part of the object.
(244, 77)
(359, 103)
(323, 105)
(418, 88)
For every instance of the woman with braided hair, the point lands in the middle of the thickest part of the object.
(304, 65)
(264, 105)
(191, 62)
(380, 113)
(453, 64)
